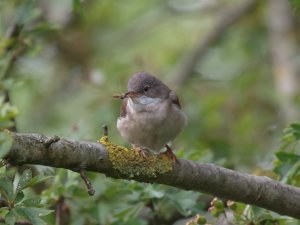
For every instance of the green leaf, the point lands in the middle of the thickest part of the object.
(153, 192)
(291, 177)
(26, 12)
(24, 180)
(32, 202)
(2, 163)
(295, 126)
(10, 172)
(5, 143)
(6, 124)
(8, 83)
(33, 214)
(103, 211)
(38, 179)
(19, 197)
(287, 166)
(39, 211)
(7, 111)
(287, 156)
(293, 129)
(6, 188)
(182, 206)
(77, 6)
(295, 4)
(129, 212)
(183, 201)
(10, 217)
(44, 27)
(4, 211)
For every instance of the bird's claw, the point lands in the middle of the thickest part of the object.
(143, 152)
(170, 154)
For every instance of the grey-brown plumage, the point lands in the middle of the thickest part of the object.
(150, 114)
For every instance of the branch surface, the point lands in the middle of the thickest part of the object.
(224, 183)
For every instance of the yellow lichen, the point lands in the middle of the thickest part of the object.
(133, 162)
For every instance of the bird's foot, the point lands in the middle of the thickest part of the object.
(170, 154)
(143, 152)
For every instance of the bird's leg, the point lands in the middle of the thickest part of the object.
(142, 151)
(170, 154)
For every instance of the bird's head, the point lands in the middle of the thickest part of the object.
(146, 86)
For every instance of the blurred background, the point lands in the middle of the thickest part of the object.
(234, 64)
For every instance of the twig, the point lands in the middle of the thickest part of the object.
(58, 212)
(87, 182)
(230, 16)
(119, 96)
(62, 214)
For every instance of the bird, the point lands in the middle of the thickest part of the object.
(150, 115)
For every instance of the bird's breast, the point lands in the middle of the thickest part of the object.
(148, 110)
(151, 125)
(143, 103)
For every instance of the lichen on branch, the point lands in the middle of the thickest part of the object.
(132, 163)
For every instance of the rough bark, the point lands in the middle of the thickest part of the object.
(224, 183)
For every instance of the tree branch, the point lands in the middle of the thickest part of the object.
(230, 16)
(188, 175)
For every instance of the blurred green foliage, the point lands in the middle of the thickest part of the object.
(17, 203)
(70, 57)
(287, 164)
(295, 4)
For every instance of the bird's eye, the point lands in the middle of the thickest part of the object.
(146, 88)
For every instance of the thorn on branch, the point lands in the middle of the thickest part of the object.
(50, 141)
(105, 130)
(87, 182)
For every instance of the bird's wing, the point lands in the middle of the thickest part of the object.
(174, 99)
(123, 111)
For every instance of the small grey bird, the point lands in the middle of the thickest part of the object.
(150, 114)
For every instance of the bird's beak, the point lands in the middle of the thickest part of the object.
(132, 94)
